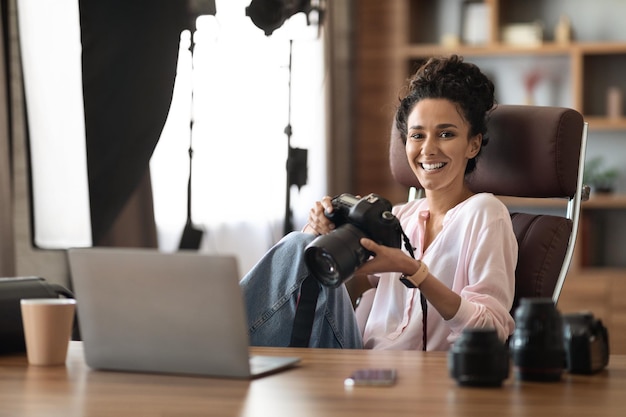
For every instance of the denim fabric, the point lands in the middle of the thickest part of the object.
(271, 291)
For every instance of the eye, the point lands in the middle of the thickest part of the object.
(447, 134)
(416, 136)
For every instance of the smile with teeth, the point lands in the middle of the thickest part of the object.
(432, 167)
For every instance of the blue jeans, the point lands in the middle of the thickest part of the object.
(271, 291)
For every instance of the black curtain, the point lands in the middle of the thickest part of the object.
(130, 49)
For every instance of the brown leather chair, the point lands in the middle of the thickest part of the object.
(535, 152)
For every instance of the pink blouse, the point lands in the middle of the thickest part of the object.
(475, 255)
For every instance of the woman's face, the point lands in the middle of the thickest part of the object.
(438, 144)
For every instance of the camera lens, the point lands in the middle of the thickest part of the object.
(479, 358)
(537, 342)
(334, 257)
(323, 265)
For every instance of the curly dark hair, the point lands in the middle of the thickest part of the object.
(460, 82)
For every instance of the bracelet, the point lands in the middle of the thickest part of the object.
(415, 280)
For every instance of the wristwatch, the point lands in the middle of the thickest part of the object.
(415, 280)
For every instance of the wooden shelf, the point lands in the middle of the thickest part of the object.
(596, 201)
(501, 49)
(424, 50)
(608, 272)
(605, 201)
(575, 51)
(605, 123)
(600, 48)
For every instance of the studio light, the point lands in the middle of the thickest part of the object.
(269, 15)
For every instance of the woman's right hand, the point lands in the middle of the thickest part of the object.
(318, 223)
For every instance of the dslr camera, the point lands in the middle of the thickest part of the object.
(586, 343)
(333, 258)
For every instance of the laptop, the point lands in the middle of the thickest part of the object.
(142, 310)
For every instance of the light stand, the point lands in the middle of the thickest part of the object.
(192, 235)
(296, 162)
(270, 15)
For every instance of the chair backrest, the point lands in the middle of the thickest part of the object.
(535, 152)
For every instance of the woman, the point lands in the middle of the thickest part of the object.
(465, 248)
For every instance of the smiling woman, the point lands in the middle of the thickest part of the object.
(457, 269)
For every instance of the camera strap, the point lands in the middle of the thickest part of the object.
(424, 304)
(305, 313)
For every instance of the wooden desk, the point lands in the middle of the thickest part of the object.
(315, 388)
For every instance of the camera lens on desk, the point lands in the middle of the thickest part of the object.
(479, 358)
(537, 342)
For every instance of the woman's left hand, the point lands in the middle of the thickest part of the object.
(386, 259)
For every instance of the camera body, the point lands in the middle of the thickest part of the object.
(371, 214)
(586, 343)
(334, 257)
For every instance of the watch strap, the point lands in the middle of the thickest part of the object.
(415, 280)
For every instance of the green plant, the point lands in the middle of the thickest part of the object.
(597, 176)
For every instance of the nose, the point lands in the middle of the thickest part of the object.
(429, 145)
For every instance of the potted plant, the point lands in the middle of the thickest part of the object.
(598, 177)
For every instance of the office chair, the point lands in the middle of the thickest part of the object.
(534, 152)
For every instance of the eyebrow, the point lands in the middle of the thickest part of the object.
(439, 126)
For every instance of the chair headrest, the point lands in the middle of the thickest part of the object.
(533, 151)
